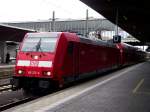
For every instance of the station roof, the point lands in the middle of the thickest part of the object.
(11, 33)
(133, 15)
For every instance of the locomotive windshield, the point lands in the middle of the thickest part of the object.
(39, 44)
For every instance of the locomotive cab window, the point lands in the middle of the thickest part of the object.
(39, 44)
(70, 47)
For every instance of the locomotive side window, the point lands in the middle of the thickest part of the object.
(39, 44)
(70, 47)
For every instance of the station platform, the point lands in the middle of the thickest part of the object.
(125, 90)
(3, 66)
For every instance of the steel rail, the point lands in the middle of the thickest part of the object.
(15, 103)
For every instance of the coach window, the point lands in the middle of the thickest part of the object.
(70, 47)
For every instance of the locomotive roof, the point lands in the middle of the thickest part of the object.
(44, 34)
(96, 42)
(82, 38)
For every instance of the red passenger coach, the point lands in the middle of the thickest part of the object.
(52, 59)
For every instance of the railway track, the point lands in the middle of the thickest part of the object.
(16, 102)
(4, 88)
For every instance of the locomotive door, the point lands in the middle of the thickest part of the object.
(76, 60)
(74, 53)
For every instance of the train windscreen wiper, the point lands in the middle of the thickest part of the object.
(38, 46)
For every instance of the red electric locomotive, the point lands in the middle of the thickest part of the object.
(52, 59)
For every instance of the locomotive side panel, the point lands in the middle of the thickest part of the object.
(113, 57)
(66, 58)
(94, 57)
(87, 58)
(58, 68)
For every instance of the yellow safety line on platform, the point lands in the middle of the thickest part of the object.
(138, 86)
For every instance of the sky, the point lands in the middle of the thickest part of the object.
(33, 10)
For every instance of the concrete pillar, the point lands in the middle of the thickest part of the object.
(3, 51)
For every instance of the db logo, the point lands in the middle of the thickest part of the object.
(34, 63)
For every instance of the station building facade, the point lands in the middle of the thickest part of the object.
(78, 26)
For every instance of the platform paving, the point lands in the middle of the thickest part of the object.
(128, 93)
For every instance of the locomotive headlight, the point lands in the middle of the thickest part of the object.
(48, 73)
(36, 57)
(20, 71)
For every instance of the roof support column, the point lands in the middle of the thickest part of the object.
(3, 49)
